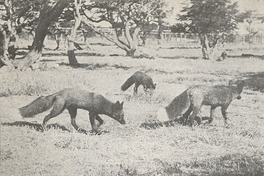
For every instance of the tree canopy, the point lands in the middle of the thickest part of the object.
(210, 19)
(207, 16)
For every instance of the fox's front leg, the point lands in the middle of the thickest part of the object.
(148, 94)
(196, 110)
(98, 121)
(136, 88)
(94, 119)
(224, 113)
(73, 113)
(212, 113)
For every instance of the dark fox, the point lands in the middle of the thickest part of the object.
(140, 78)
(194, 97)
(73, 99)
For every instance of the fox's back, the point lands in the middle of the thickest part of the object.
(82, 99)
(142, 78)
(211, 95)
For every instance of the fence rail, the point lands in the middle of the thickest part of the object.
(169, 37)
(188, 38)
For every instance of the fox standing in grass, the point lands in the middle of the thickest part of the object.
(73, 99)
(194, 97)
(140, 78)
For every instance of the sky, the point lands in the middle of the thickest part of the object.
(243, 5)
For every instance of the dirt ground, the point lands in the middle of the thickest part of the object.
(132, 149)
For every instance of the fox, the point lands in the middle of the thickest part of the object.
(193, 98)
(140, 78)
(73, 99)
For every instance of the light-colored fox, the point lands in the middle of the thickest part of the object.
(192, 99)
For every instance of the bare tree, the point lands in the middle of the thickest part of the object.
(4, 40)
(77, 21)
(18, 14)
(50, 12)
(126, 18)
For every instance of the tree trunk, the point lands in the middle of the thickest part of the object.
(12, 37)
(132, 40)
(4, 41)
(48, 15)
(206, 50)
(3, 47)
(57, 39)
(7, 51)
(130, 53)
(71, 55)
(160, 36)
(71, 45)
(130, 44)
(143, 38)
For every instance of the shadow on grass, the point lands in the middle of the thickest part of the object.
(39, 127)
(231, 164)
(63, 53)
(255, 81)
(155, 124)
(180, 47)
(35, 126)
(181, 57)
(247, 56)
(96, 66)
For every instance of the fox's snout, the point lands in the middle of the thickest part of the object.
(238, 97)
(123, 122)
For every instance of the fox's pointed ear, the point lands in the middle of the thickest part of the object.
(240, 84)
(230, 83)
(122, 104)
(118, 103)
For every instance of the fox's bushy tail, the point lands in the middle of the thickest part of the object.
(129, 82)
(37, 106)
(177, 106)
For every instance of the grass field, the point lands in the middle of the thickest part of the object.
(131, 149)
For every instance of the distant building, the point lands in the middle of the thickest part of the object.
(253, 25)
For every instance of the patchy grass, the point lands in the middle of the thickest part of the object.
(131, 149)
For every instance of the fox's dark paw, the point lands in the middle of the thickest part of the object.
(44, 128)
(95, 132)
(197, 121)
(98, 132)
(210, 124)
(227, 126)
(169, 124)
(151, 125)
(82, 131)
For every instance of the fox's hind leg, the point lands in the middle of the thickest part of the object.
(136, 88)
(58, 107)
(73, 112)
(212, 113)
(196, 110)
(98, 121)
(224, 113)
(186, 115)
